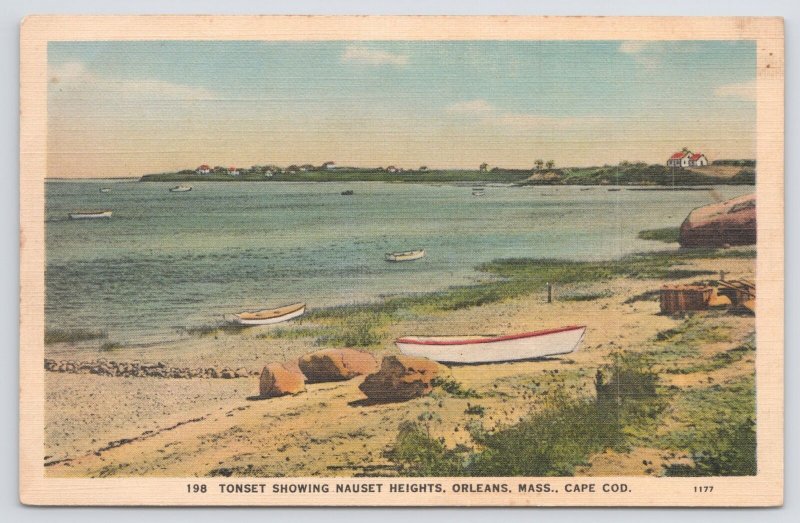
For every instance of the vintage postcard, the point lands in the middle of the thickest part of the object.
(498, 261)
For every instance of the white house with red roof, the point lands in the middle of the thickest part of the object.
(687, 158)
(203, 169)
(698, 160)
(233, 171)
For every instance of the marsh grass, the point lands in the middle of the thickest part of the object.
(52, 336)
(215, 329)
(363, 325)
(717, 429)
(666, 234)
(717, 361)
(584, 296)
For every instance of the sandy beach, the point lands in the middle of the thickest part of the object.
(99, 426)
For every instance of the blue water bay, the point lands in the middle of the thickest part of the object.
(167, 260)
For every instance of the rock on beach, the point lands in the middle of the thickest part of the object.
(336, 365)
(280, 379)
(401, 378)
(732, 222)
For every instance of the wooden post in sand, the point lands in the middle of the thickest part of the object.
(549, 292)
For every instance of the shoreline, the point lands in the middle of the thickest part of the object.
(233, 435)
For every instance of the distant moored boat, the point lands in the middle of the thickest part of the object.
(270, 316)
(493, 349)
(180, 188)
(405, 255)
(105, 189)
(88, 215)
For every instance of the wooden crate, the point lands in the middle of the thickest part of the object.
(679, 298)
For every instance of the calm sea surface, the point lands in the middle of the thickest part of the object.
(170, 260)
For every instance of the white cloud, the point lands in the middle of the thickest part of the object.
(356, 54)
(74, 78)
(740, 91)
(477, 106)
(632, 46)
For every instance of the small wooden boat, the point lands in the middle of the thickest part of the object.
(493, 349)
(347, 193)
(89, 215)
(270, 316)
(105, 189)
(180, 188)
(405, 255)
(478, 192)
(614, 189)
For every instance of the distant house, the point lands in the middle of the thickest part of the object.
(392, 169)
(698, 160)
(687, 158)
(203, 169)
(329, 165)
(680, 159)
(233, 171)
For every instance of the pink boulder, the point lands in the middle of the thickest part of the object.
(336, 365)
(401, 378)
(727, 223)
(280, 379)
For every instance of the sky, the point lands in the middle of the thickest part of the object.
(132, 108)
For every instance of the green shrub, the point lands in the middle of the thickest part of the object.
(417, 454)
(454, 388)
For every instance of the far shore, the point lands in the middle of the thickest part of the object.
(637, 174)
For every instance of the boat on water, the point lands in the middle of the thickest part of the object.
(405, 255)
(105, 189)
(270, 316)
(478, 192)
(180, 188)
(494, 349)
(347, 193)
(89, 215)
(614, 189)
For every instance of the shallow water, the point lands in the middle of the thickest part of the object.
(170, 260)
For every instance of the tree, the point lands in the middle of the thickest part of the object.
(484, 167)
(550, 164)
(538, 164)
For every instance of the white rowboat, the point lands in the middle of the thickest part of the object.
(270, 316)
(105, 189)
(405, 255)
(493, 349)
(180, 188)
(89, 215)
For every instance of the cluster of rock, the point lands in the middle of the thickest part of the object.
(398, 378)
(720, 224)
(123, 369)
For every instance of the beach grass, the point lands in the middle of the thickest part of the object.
(53, 336)
(665, 234)
(362, 325)
(550, 442)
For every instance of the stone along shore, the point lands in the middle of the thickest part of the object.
(136, 369)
